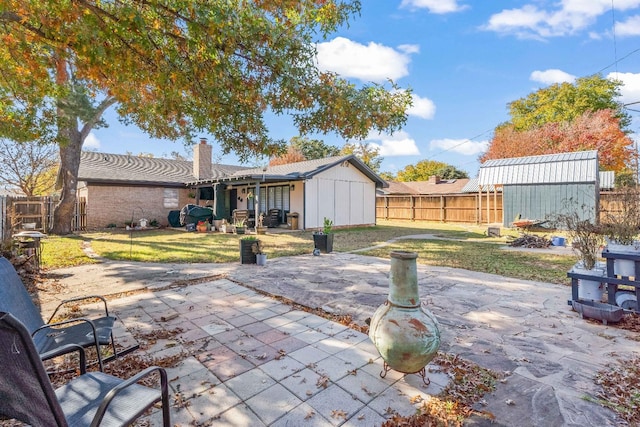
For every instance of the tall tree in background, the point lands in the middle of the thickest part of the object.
(598, 130)
(425, 169)
(369, 154)
(178, 69)
(567, 117)
(565, 102)
(292, 155)
(313, 148)
(29, 166)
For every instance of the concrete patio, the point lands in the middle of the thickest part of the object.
(251, 360)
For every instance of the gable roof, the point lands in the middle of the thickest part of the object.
(298, 171)
(580, 166)
(125, 169)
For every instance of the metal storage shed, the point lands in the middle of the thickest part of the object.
(536, 187)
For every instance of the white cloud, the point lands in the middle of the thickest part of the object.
(630, 91)
(434, 6)
(551, 76)
(630, 27)
(422, 107)
(398, 144)
(91, 142)
(532, 21)
(461, 146)
(373, 62)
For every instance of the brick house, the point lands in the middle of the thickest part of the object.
(121, 188)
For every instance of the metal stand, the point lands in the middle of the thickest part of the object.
(422, 372)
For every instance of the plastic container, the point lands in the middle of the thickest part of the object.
(558, 241)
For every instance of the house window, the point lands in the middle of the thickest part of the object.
(170, 199)
(273, 197)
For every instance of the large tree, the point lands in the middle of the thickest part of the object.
(425, 169)
(313, 148)
(29, 166)
(178, 68)
(368, 153)
(585, 115)
(598, 130)
(565, 102)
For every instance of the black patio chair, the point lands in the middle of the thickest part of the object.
(49, 336)
(91, 399)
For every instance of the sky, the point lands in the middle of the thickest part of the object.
(464, 61)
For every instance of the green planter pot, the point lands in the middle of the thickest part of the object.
(246, 253)
(323, 242)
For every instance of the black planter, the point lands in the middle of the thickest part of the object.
(323, 242)
(246, 252)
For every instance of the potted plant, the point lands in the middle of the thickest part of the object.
(586, 240)
(323, 240)
(224, 226)
(239, 227)
(247, 256)
(258, 249)
(203, 226)
(621, 229)
(260, 228)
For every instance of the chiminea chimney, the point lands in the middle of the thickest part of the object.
(202, 160)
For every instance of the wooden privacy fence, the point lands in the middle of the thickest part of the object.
(35, 213)
(465, 208)
(462, 208)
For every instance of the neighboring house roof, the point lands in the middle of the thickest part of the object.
(607, 180)
(431, 187)
(473, 187)
(398, 188)
(299, 171)
(126, 169)
(580, 166)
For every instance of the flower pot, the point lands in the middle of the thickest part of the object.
(261, 259)
(323, 242)
(404, 332)
(246, 252)
(217, 223)
(624, 267)
(590, 290)
(239, 230)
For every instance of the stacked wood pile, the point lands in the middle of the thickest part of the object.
(531, 241)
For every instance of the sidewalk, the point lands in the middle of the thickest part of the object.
(257, 362)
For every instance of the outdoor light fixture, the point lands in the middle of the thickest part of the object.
(293, 187)
(244, 190)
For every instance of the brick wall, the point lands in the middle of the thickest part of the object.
(118, 204)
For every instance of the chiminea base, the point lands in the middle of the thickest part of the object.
(422, 372)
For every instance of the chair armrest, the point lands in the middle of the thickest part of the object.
(64, 322)
(68, 349)
(164, 390)
(67, 301)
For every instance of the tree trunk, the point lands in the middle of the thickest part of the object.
(68, 182)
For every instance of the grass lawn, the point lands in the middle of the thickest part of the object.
(466, 247)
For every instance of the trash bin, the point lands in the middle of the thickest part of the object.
(292, 220)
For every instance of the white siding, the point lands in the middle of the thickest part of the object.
(343, 194)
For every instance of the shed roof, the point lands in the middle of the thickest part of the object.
(579, 166)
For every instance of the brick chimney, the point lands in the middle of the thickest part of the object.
(434, 179)
(202, 160)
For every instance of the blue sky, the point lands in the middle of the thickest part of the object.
(465, 61)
